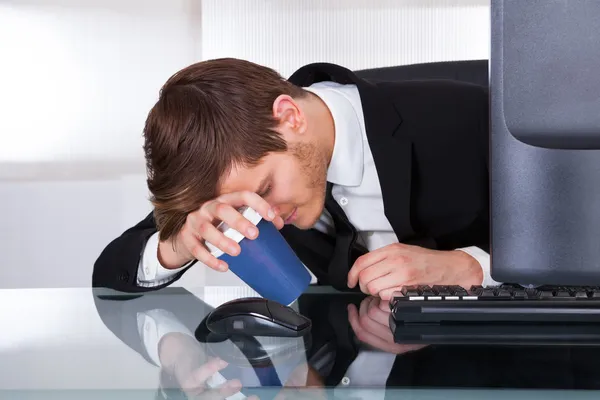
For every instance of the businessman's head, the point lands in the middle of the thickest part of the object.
(229, 125)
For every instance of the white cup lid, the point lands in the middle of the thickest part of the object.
(231, 233)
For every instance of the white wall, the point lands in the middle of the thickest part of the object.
(354, 33)
(78, 77)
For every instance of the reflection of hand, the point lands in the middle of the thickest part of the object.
(302, 394)
(183, 357)
(303, 383)
(371, 325)
(304, 376)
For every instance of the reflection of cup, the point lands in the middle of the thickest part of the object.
(267, 264)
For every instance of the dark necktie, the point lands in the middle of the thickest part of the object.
(267, 376)
(346, 247)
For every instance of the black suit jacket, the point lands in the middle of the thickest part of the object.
(429, 140)
(119, 312)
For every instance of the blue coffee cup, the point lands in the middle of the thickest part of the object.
(267, 263)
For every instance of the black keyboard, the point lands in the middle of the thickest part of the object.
(438, 304)
(496, 314)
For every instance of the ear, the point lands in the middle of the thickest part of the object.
(288, 112)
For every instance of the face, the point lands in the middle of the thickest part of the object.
(293, 181)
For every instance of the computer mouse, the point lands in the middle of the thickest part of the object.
(255, 316)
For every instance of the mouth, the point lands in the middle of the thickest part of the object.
(292, 217)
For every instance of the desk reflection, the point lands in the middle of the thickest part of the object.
(350, 347)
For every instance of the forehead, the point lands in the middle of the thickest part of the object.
(242, 178)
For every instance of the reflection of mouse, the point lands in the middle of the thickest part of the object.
(257, 317)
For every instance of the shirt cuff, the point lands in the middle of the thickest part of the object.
(483, 259)
(153, 325)
(150, 271)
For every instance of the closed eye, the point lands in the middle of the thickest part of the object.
(265, 192)
(265, 186)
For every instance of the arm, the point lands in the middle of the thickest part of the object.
(118, 264)
(151, 273)
(159, 327)
(483, 259)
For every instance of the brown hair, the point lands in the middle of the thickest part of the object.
(210, 116)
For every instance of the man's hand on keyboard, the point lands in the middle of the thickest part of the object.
(385, 270)
(371, 325)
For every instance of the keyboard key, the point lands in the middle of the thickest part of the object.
(409, 291)
(476, 289)
(487, 294)
(458, 290)
(426, 291)
(442, 290)
(562, 294)
(519, 294)
(581, 295)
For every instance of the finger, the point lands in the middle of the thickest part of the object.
(384, 305)
(199, 251)
(379, 279)
(376, 272)
(379, 314)
(359, 326)
(232, 217)
(278, 222)
(379, 322)
(211, 234)
(364, 335)
(230, 388)
(353, 318)
(380, 336)
(387, 294)
(252, 200)
(364, 262)
(378, 330)
(201, 375)
(375, 321)
(364, 306)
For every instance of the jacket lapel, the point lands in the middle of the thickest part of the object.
(389, 139)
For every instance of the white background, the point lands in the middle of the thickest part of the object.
(77, 78)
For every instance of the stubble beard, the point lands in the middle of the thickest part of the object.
(313, 164)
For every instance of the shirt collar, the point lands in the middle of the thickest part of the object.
(346, 167)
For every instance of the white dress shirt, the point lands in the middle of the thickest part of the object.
(356, 188)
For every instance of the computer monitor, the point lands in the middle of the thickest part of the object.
(545, 141)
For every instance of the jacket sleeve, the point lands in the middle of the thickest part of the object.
(117, 266)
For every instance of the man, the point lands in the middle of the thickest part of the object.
(379, 185)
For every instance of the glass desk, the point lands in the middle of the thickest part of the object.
(101, 344)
